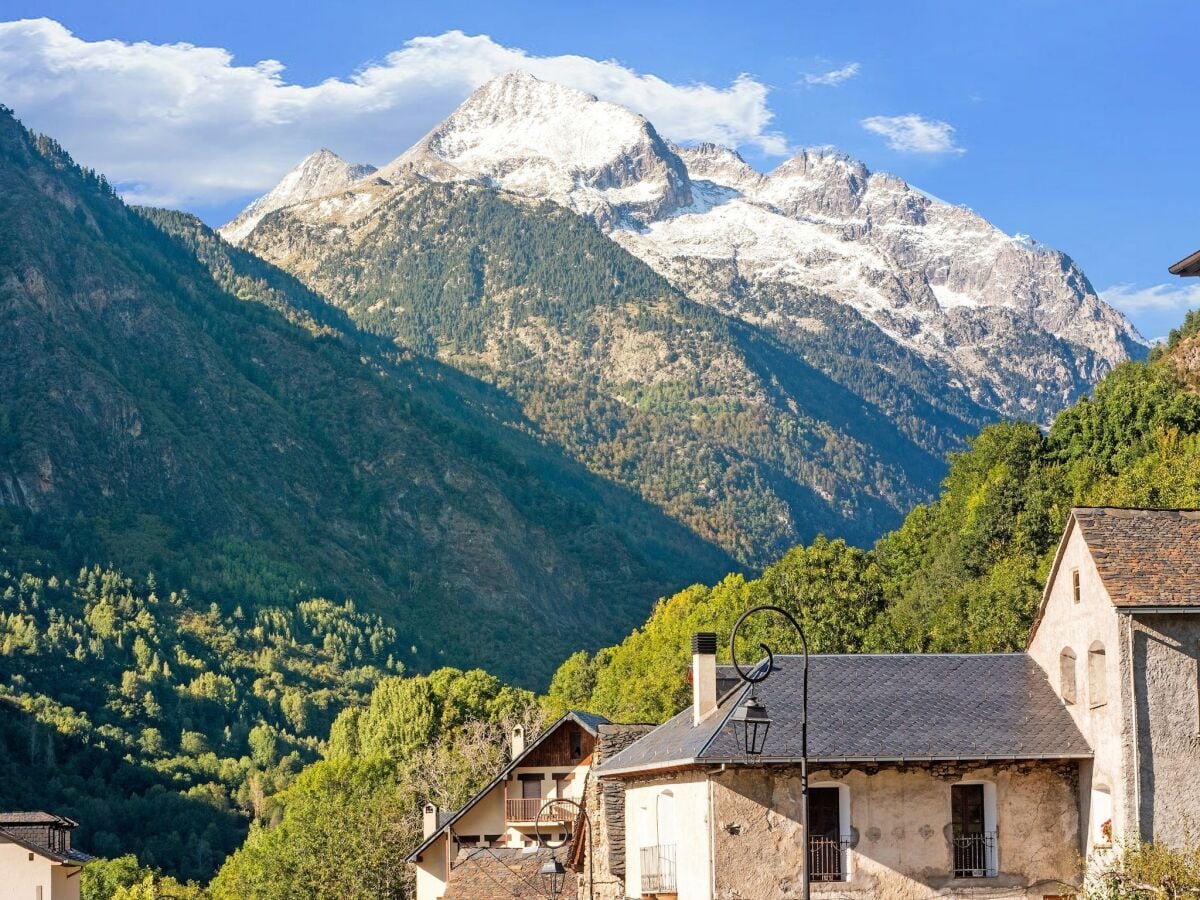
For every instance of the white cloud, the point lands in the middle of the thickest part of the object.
(1157, 298)
(176, 123)
(912, 133)
(833, 78)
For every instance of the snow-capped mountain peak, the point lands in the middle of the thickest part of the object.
(1014, 323)
(318, 174)
(542, 139)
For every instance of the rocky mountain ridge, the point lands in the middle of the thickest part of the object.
(844, 300)
(1014, 323)
(318, 174)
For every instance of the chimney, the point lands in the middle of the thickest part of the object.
(704, 675)
(517, 742)
(429, 819)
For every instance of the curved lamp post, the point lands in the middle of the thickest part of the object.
(751, 722)
(552, 872)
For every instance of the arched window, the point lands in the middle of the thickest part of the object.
(1101, 817)
(1097, 675)
(666, 818)
(1066, 675)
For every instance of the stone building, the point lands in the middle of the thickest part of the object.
(940, 775)
(37, 860)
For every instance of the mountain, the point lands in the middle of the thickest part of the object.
(1017, 324)
(174, 404)
(712, 419)
(773, 356)
(320, 173)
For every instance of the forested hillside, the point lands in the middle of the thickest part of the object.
(752, 441)
(173, 405)
(160, 723)
(962, 574)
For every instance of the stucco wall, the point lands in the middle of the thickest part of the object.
(1167, 716)
(432, 870)
(1146, 738)
(900, 827)
(1080, 626)
(20, 877)
(65, 884)
(689, 824)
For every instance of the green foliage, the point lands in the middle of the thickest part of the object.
(124, 878)
(344, 826)
(1145, 871)
(161, 725)
(834, 589)
(406, 714)
(961, 574)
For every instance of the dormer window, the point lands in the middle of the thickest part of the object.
(1075, 593)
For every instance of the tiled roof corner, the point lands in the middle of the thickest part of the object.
(1146, 557)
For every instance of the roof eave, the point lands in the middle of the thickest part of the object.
(1165, 609)
(1061, 550)
(1188, 266)
(746, 762)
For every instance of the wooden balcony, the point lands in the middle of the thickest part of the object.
(525, 810)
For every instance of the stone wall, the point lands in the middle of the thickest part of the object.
(900, 825)
(605, 805)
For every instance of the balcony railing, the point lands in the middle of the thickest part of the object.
(526, 809)
(975, 855)
(658, 869)
(827, 859)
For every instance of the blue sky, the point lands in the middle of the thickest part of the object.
(1071, 122)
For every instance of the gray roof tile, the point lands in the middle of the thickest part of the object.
(862, 707)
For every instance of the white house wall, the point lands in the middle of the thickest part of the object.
(693, 861)
(22, 877)
(1079, 626)
(432, 870)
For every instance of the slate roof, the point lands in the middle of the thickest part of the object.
(19, 823)
(501, 874)
(35, 818)
(588, 721)
(888, 707)
(1146, 557)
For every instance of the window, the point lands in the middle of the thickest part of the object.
(576, 744)
(657, 840)
(1097, 675)
(561, 780)
(973, 828)
(1075, 594)
(1066, 675)
(828, 824)
(1101, 817)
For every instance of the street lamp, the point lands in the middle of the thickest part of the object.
(552, 872)
(554, 875)
(751, 722)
